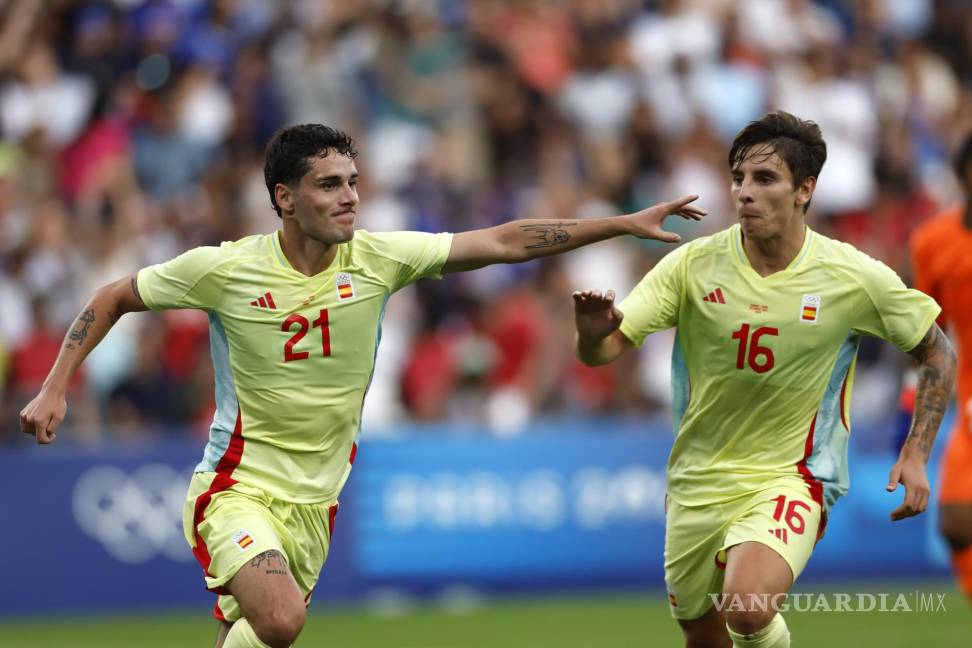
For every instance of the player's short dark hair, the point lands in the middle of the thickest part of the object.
(963, 159)
(290, 150)
(798, 142)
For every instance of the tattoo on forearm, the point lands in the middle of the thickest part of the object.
(272, 561)
(936, 373)
(548, 234)
(82, 324)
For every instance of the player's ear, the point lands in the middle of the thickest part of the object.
(805, 192)
(284, 196)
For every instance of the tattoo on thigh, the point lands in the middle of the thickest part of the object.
(272, 561)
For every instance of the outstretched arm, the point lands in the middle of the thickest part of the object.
(522, 240)
(597, 320)
(936, 373)
(43, 414)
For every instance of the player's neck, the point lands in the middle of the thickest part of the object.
(306, 255)
(776, 253)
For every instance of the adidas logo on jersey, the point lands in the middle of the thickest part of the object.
(715, 296)
(779, 534)
(264, 302)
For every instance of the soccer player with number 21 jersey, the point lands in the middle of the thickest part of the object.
(295, 322)
(768, 317)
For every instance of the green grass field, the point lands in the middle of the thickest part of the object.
(590, 622)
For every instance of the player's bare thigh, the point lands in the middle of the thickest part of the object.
(269, 598)
(955, 524)
(708, 631)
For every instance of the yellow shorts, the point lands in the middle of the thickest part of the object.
(784, 517)
(227, 524)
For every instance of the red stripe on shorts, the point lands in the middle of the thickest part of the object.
(223, 481)
(331, 514)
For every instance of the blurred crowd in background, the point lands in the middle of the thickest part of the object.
(134, 130)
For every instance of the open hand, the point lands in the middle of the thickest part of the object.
(911, 473)
(647, 223)
(595, 315)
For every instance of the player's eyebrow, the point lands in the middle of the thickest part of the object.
(335, 178)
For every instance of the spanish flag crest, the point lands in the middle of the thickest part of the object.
(243, 539)
(345, 289)
(810, 309)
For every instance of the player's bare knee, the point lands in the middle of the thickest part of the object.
(708, 631)
(280, 627)
(749, 622)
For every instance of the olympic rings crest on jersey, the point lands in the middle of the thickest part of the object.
(135, 517)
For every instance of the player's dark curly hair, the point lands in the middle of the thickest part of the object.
(797, 141)
(290, 150)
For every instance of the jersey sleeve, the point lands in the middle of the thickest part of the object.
(406, 257)
(894, 312)
(923, 264)
(653, 304)
(191, 280)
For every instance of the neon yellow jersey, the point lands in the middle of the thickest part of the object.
(293, 355)
(762, 367)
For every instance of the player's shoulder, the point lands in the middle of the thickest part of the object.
(937, 230)
(219, 259)
(704, 247)
(851, 264)
(248, 246)
(396, 246)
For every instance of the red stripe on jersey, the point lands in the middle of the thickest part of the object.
(223, 481)
(722, 300)
(719, 563)
(263, 301)
(217, 613)
(270, 301)
(254, 303)
(816, 488)
(843, 404)
(705, 298)
(354, 453)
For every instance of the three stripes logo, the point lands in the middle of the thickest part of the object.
(264, 302)
(715, 296)
(779, 534)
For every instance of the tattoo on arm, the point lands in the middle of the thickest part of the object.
(936, 373)
(80, 332)
(272, 561)
(548, 234)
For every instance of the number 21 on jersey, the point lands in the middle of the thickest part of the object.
(302, 326)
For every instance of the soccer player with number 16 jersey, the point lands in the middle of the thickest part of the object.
(295, 321)
(768, 317)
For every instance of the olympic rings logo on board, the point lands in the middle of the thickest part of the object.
(136, 517)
